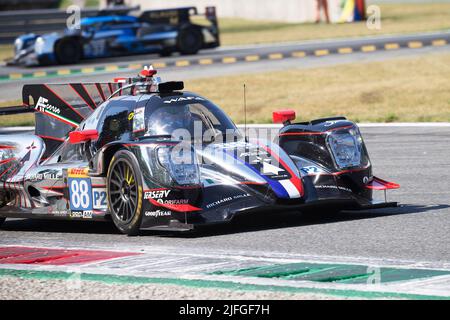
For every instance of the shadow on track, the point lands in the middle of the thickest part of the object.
(255, 222)
(246, 223)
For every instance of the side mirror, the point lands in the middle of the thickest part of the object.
(283, 116)
(76, 137)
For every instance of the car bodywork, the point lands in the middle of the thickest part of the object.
(155, 31)
(80, 128)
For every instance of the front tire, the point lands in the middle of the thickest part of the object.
(124, 183)
(68, 51)
(2, 220)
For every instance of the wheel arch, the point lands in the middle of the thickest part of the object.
(77, 38)
(108, 155)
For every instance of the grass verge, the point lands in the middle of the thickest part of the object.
(15, 120)
(6, 51)
(396, 18)
(398, 90)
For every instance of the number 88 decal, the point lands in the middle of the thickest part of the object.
(80, 194)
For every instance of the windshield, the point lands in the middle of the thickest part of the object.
(188, 117)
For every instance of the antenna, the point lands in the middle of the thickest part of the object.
(245, 112)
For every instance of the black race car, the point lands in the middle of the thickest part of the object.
(149, 156)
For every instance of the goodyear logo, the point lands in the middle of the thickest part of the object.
(78, 172)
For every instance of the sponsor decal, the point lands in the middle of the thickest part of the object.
(173, 201)
(138, 120)
(43, 106)
(226, 200)
(156, 194)
(77, 172)
(99, 198)
(311, 170)
(31, 147)
(80, 193)
(76, 214)
(61, 213)
(157, 213)
(334, 187)
(43, 176)
(330, 123)
(81, 214)
(87, 214)
(183, 99)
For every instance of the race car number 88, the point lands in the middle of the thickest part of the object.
(80, 191)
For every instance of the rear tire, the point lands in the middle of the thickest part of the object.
(124, 183)
(2, 220)
(166, 52)
(68, 51)
(190, 40)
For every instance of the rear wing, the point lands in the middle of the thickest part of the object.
(177, 16)
(60, 108)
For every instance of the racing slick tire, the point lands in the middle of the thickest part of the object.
(190, 40)
(1, 221)
(68, 51)
(124, 188)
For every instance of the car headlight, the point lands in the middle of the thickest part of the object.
(18, 44)
(39, 45)
(346, 147)
(179, 166)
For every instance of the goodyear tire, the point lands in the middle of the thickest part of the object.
(190, 40)
(124, 185)
(68, 51)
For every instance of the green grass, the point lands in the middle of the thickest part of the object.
(15, 120)
(397, 90)
(6, 51)
(396, 18)
(89, 3)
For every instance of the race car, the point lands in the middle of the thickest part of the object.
(107, 35)
(148, 155)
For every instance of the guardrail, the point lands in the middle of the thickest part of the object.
(16, 23)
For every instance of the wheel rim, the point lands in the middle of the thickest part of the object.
(123, 191)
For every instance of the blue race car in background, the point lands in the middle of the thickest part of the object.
(154, 31)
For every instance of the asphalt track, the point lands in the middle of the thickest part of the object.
(414, 234)
(231, 55)
(415, 157)
(11, 90)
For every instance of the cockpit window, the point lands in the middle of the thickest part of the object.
(196, 118)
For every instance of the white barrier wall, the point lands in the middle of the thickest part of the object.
(275, 10)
